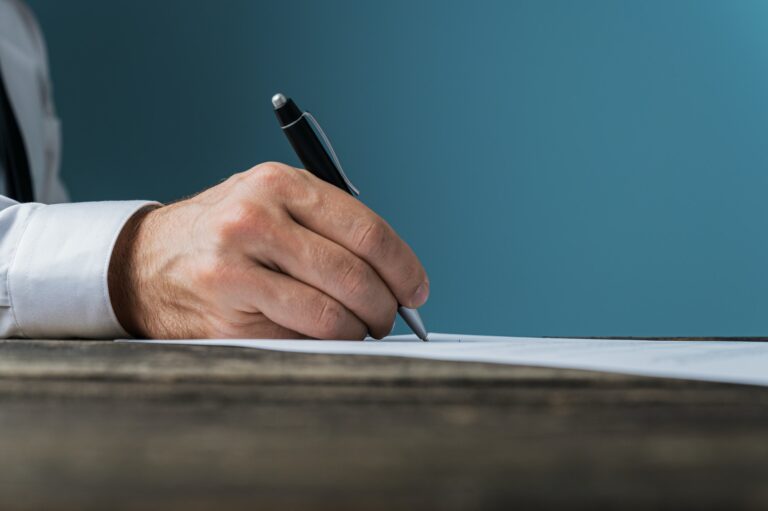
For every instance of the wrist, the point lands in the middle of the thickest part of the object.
(124, 275)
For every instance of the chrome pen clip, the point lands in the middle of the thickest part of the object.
(316, 125)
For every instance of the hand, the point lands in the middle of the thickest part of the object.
(273, 252)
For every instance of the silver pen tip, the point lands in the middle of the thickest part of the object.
(413, 319)
(278, 100)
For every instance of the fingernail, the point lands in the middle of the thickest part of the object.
(421, 294)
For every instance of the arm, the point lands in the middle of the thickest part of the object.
(270, 253)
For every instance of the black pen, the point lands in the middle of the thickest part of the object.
(313, 154)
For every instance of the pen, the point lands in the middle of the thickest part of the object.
(310, 150)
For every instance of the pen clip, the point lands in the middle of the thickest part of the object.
(328, 145)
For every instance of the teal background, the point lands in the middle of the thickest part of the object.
(562, 168)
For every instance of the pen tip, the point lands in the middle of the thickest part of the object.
(413, 320)
(278, 100)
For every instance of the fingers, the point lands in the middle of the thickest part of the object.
(339, 217)
(337, 269)
(340, 274)
(298, 307)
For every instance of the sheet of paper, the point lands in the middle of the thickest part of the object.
(723, 361)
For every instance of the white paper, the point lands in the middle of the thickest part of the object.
(722, 360)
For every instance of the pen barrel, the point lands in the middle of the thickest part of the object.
(313, 154)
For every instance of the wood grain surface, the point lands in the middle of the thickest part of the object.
(101, 425)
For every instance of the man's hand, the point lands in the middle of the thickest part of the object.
(272, 252)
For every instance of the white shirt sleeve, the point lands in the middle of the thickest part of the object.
(54, 261)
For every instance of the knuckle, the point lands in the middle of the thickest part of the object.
(305, 174)
(371, 237)
(354, 277)
(273, 176)
(329, 319)
(302, 191)
(242, 220)
(270, 167)
(310, 196)
(238, 177)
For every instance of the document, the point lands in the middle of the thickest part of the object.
(719, 361)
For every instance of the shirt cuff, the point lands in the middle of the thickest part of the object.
(57, 282)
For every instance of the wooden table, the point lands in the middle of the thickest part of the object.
(100, 425)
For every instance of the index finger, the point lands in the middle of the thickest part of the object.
(339, 217)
